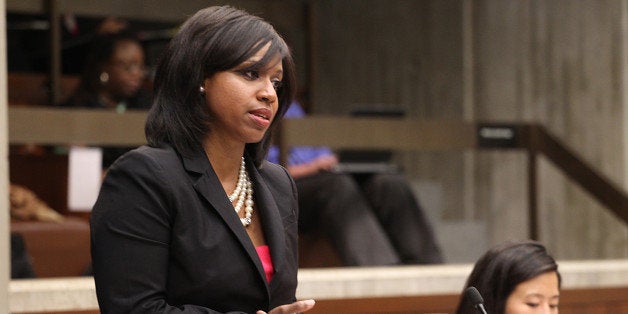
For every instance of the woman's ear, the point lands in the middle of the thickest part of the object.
(203, 87)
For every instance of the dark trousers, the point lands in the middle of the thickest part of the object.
(21, 264)
(370, 219)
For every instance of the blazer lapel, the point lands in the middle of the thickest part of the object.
(210, 188)
(272, 222)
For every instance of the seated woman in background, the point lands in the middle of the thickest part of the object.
(113, 78)
(113, 75)
(515, 278)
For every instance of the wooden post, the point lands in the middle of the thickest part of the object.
(52, 7)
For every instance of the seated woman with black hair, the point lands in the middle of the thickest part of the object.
(515, 278)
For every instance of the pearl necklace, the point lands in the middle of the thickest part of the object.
(243, 195)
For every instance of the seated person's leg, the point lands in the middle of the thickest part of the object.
(403, 218)
(21, 265)
(334, 203)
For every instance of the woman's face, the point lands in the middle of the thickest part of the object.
(243, 103)
(125, 69)
(537, 295)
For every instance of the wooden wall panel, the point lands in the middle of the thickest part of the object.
(573, 301)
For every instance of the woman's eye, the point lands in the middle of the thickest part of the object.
(554, 306)
(532, 305)
(277, 84)
(252, 75)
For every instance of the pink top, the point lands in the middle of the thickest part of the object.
(264, 255)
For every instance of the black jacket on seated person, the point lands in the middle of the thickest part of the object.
(21, 264)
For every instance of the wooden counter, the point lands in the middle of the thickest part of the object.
(588, 287)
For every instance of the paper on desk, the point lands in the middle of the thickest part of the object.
(84, 177)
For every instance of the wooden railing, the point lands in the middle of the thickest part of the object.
(430, 135)
(41, 125)
(57, 126)
(538, 140)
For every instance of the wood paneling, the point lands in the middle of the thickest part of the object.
(45, 174)
(575, 301)
(580, 301)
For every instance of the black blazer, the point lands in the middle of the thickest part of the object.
(166, 239)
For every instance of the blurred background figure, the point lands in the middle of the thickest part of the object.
(515, 278)
(113, 75)
(21, 261)
(370, 219)
(112, 25)
(113, 78)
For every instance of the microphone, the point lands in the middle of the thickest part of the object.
(476, 299)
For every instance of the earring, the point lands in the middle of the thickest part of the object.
(201, 89)
(104, 77)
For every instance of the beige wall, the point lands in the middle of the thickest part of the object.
(406, 54)
(559, 63)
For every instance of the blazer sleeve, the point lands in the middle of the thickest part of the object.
(130, 235)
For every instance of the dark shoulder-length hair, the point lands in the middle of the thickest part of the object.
(498, 272)
(214, 39)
